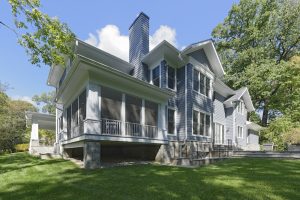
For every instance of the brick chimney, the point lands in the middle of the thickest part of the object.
(139, 44)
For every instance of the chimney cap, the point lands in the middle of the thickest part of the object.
(138, 16)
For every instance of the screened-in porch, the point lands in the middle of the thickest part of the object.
(112, 114)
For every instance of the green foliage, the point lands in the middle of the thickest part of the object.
(12, 122)
(292, 136)
(257, 42)
(280, 132)
(47, 137)
(45, 39)
(47, 99)
(254, 117)
(22, 147)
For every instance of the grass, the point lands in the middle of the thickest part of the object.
(26, 177)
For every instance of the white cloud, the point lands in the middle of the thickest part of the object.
(110, 39)
(163, 33)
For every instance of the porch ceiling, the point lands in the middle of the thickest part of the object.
(45, 121)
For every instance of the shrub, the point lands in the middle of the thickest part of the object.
(22, 147)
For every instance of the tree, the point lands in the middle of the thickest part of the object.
(257, 42)
(47, 99)
(45, 39)
(13, 124)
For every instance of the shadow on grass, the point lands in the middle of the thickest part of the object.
(231, 179)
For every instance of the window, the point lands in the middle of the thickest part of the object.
(240, 107)
(61, 123)
(171, 121)
(196, 123)
(240, 132)
(201, 83)
(219, 133)
(171, 77)
(201, 123)
(133, 109)
(155, 76)
(207, 125)
(196, 80)
(111, 101)
(207, 86)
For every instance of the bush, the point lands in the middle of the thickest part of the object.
(22, 147)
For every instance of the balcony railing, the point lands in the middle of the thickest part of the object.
(110, 127)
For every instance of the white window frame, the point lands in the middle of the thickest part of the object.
(205, 76)
(199, 120)
(241, 107)
(240, 132)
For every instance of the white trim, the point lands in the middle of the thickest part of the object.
(216, 123)
(185, 92)
(201, 69)
(199, 121)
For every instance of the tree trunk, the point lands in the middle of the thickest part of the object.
(265, 116)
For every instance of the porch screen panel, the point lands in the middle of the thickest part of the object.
(82, 106)
(151, 112)
(202, 115)
(133, 109)
(207, 125)
(111, 104)
(69, 121)
(75, 113)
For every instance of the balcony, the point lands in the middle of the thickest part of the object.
(114, 130)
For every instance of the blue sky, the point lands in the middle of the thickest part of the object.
(100, 22)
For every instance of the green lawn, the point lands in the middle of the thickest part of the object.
(26, 177)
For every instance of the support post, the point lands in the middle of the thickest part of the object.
(91, 155)
(92, 109)
(143, 118)
(34, 136)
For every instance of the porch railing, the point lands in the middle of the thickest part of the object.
(111, 127)
(114, 128)
(133, 129)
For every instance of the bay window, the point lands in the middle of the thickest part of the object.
(201, 123)
(201, 83)
(155, 76)
(171, 77)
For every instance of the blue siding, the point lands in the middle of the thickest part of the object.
(139, 45)
(189, 90)
(219, 109)
(201, 57)
(180, 118)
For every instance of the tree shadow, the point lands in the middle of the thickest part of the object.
(231, 179)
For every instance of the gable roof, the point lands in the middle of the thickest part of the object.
(211, 53)
(241, 93)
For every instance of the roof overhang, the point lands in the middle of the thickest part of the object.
(44, 121)
(166, 51)
(211, 54)
(222, 88)
(55, 74)
(253, 126)
(85, 69)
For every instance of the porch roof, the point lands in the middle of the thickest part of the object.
(45, 121)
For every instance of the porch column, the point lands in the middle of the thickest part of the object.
(143, 118)
(92, 126)
(91, 155)
(34, 136)
(163, 119)
(123, 114)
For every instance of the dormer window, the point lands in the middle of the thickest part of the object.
(155, 76)
(201, 83)
(171, 77)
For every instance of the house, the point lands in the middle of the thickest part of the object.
(164, 104)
